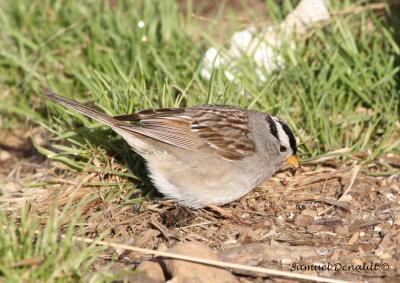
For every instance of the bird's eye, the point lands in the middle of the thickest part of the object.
(282, 148)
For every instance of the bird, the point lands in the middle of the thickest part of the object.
(202, 155)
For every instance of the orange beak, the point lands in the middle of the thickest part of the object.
(293, 161)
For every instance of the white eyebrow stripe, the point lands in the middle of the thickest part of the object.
(283, 137)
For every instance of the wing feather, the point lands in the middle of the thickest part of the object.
(223, 129)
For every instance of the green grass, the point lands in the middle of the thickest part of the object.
(31, 252)
(339, 88)
(95, 53)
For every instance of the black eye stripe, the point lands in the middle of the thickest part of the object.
(274, 131)
(292, 139)
(272, 127)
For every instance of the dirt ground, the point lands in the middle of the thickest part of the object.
(327, 212)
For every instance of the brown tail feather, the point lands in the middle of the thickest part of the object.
(88, 111)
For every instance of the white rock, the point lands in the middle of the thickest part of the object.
(263, 48)
(211, 60)
(346, 198)
(4, 155)
(390, 196)
(241, 41)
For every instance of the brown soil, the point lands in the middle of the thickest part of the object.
(328, 212)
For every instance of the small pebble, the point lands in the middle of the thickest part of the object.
(347, 198)
(377, 229)
(4, 155)
(390, 196)
(324, 251)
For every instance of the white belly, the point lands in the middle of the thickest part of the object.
(194, 184)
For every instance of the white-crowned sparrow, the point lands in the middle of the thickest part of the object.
(202, 155)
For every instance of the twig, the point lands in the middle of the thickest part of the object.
(261, 270)
(356, 9)
(354, 174)
(164, 231)
(221, 211)
(328, 156)
(301, 182)
(198, 224)
(332, 202)
(356, 169)
(353, 10)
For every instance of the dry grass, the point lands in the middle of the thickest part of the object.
(329, 203)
